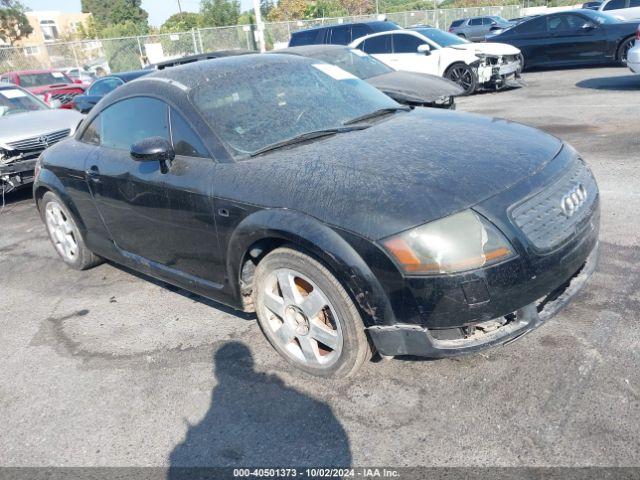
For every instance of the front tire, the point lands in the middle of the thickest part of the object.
(623, 50)
(65, 235)
(308, 316)
(463, 75)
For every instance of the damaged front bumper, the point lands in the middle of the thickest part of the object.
(420, 341)
(499, 72)
(16, 173)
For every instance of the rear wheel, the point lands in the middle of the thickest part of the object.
(307, 315)
(624, 48)
(65, 235)
(463, 75)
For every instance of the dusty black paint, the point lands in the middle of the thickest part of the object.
(334, 197)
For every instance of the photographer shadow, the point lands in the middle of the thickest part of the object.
(255, 420)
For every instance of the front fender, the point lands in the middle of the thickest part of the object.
(324, 243)
(48, 181)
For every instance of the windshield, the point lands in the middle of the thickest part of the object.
(443, 39)
(601, 18)
(14, 100)
(282, 100)
(30, 80)
(355, 62)
(499, 19)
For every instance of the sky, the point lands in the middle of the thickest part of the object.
(159, 10)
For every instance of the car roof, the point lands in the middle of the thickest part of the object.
(29, 72)
(374, 24)
(310, 50)
(127, 76)
(198, 57)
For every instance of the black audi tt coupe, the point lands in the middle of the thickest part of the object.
(347, 222)
(571, 38)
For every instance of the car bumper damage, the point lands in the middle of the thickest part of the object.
(499, 71)
(15, 170)
(421, 341)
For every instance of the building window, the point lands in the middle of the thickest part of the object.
(31, 50)
(49, 30)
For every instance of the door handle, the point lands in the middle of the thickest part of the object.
(93, 173)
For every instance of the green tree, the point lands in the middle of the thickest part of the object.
(14, 24)
(266, 6)
(181, 22)
(116, 12)
(218, 13)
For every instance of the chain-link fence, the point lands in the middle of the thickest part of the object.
(132, 53)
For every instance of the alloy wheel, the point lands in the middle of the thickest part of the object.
(301, 319)
(61, 230)
(625, 50)
(462, 76)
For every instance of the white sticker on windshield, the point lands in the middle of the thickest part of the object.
(333, 71)
(12, 93)
(360, 53)
(57, 74)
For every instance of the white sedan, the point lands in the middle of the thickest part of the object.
(429, 50)
(633, 55)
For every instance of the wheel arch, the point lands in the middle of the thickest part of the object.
(619, 46)
(266, 230)
(48, 182)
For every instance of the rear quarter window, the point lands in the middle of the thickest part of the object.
(456, 23)
(307, 37)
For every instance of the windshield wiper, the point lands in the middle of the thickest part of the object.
(307, 136)
(375, 113)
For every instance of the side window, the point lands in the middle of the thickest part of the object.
(403, 43)
(564, 23)
(536, 25)
(379, 44)
(104, 86)
(634, 3)
(488, 21)
(131, 120)
(341, 35)
(185, 141)
(474, 22)
(615, 5)
(358, 31)
(92, 133)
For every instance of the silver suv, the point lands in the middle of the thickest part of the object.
(475, 28)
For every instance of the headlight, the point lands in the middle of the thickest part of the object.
(456, 243)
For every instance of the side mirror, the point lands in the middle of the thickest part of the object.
(78, 81)
(154, 149)
(588, 26)
(424, 48)
(55, 103)
(495, 28)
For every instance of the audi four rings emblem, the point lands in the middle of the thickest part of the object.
(573, 200)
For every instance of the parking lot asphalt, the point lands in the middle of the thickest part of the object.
(108, 368)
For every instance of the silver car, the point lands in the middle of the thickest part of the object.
(27, 127)
(476, 28)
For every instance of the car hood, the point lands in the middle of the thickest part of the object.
(413, 168)
(415, 87)
(496, 49)
(21, 126)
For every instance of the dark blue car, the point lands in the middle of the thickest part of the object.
(341, 34)
(575, 37)
(102, 86)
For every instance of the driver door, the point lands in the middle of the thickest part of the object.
(407, 58)
(162, 219)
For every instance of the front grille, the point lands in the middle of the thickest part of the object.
(32, 147)
(542, 218)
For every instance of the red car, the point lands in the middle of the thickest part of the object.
(49, 85)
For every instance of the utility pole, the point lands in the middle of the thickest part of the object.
(179, 6)
(259, 33)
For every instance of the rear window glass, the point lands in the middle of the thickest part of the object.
(30, 80)
(456, 23)
(304, 37)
